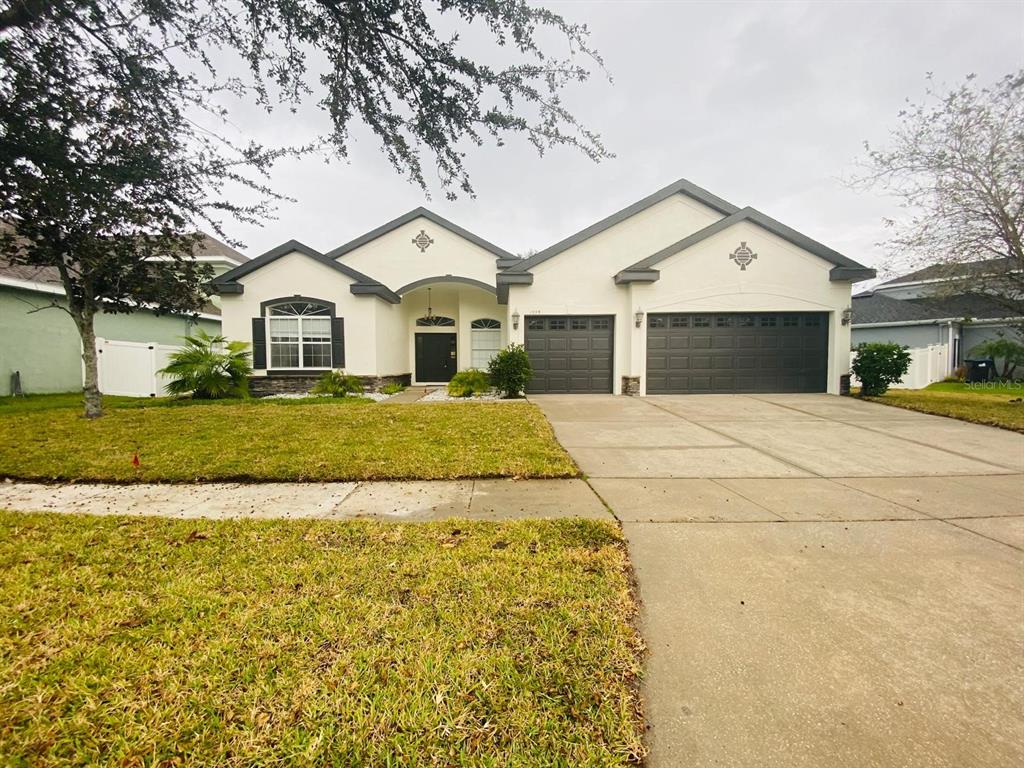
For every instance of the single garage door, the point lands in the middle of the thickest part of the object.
(755, 352)
(570, 353)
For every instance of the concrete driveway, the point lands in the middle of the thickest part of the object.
(825, 582)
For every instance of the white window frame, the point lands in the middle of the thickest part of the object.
(302, 339)
(475, 333)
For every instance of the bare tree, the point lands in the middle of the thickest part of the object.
(955, 162)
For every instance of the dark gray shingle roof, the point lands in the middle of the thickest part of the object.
(878, 308)
(950, 271)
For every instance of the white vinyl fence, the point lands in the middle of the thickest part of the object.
(130, 367)
(927, 365)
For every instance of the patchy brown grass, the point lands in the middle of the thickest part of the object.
(271, 442)
(990, 405)
(166, 642)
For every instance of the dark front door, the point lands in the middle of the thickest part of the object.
(736, 353)
(435, 356)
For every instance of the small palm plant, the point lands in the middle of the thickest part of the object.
(210, 367)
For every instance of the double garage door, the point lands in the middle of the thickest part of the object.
(570, 353)
(732, 352)
(686, 353)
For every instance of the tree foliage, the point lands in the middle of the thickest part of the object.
(955, 162)
(1010, 352)
(116, 141)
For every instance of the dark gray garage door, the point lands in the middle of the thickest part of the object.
(759, 352)
(570, 353)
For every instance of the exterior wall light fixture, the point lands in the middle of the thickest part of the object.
(515, 319)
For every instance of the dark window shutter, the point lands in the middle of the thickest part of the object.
(259, 343)
(338, 342)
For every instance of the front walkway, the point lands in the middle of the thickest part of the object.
(399, 501)
(825, 582)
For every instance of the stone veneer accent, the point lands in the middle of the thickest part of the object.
(631, 385)
(261, 386)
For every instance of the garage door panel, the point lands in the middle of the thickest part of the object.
(748, 352)
(676, 362)
(570, 353)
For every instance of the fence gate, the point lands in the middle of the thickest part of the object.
(130, 367)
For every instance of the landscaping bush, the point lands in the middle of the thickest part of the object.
(1010, 352)
(337, 384)
(878, 365)
(392, 389)
(510, 370)
(210, 367)
(471, 381)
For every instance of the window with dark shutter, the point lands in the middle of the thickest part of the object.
(259, 343)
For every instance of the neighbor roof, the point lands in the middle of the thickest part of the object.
(362, 285)
(872, 308)
(680, 187)
(412, 215)
(845, 268)
(208, 247)
(955, 270)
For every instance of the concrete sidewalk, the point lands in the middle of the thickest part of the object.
(399, 501)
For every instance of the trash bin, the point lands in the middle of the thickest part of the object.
(980, 369)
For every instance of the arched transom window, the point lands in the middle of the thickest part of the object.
(485, 336)
(434, 321)
(486, 323)
(300, 335)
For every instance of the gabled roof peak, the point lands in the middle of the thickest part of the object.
(417, 213)
(844, 269)
(683, 187)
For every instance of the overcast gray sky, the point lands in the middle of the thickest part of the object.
(763, 103)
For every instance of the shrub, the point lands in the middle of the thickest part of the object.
(471, 381)
(209, 367)
(878, 365)
(337, 384)
(392, 388)
(510, 370)
(1007, 350)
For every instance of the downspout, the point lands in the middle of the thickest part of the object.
(951, 361)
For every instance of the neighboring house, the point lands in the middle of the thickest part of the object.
(680, 292)
(40, 342)
(927, 312)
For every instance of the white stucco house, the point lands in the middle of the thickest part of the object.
(681, 292)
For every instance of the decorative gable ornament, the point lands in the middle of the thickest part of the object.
(423, 241)
(743, 256)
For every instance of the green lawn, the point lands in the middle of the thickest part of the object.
(978, 403)
(343, 439)
(228, 643)
(9, 405)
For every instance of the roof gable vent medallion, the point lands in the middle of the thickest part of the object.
(743, 256)
(423, 241)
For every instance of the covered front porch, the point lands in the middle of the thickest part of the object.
(449, 324)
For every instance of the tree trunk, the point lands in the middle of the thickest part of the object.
(91, 390)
